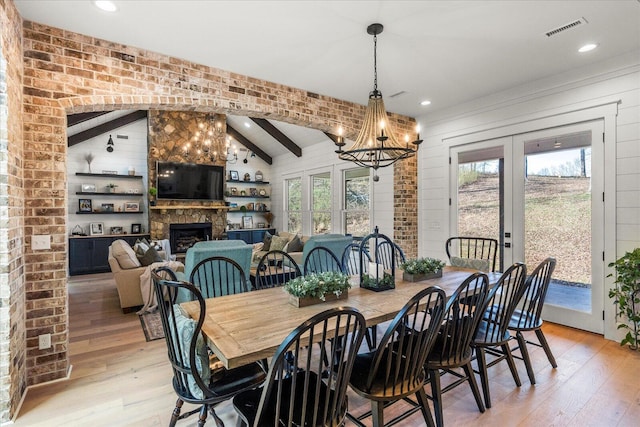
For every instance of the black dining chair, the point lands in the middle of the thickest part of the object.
(351, 259)
(386, 250)
(492, 335)
(321, 260)
(527, 315)
(275, 268)
(306, 398)
(196, 380)
(452, 348)
(479, 253)
(396, 370)
(218, 276)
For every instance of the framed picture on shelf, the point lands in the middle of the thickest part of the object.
(247, 221)
(84, 205)
(261, 225)
(96, 229)
(136, 228)
(132, 207)
(88, 188)
(253, 192)
(233, 176)
(116, 230)
(107, 207)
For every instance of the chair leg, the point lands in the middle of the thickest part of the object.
(506, 350)
(522, 344)
(424, 407)
(216, 418)
(202, 418)
(377, 413)
(484, 375)
(176, 413)
(474, 385)
(371, 336)
(545, 346)
(436, 395)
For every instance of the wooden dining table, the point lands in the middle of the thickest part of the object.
(248, 327)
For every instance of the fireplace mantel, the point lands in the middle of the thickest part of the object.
(214, 208)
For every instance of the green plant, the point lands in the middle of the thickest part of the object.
(386, 281)
(153, 191)
(243, 209)
(112, 185)
(627, 295)
(317, 285)
(422, 266)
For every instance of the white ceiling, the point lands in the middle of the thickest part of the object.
(448, 52)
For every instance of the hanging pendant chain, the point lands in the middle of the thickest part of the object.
(375, 63)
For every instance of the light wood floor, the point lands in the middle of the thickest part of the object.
(118, 379)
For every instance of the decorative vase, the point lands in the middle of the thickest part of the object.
(306, 301)
(407, 277)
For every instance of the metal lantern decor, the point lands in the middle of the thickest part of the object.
(375, 275)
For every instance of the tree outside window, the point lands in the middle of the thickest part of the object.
(294, 205)
(357, 202)
(321, 203)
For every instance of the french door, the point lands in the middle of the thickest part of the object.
(540, 194)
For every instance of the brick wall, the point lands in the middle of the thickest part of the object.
(64, 73)
(13, 378)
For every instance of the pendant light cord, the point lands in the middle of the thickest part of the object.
(375, 63)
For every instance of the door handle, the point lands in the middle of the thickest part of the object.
(507, 245)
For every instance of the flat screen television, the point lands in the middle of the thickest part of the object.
(189, 181)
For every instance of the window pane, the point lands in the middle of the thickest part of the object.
(321, 222)
(321, 192)
(294, 194)
(294, 222)
(357, 223)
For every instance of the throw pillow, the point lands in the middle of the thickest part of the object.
(267, 241)
(150, 257)
(278, 243)
(186, 326)
(475, 264)
(140, 248)
(124, 254)
(295, 245)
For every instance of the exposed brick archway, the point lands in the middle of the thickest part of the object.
(68, 73)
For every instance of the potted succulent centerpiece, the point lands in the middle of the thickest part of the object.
(626, 296)
(415, 270)
(111, 187)
(316, 288)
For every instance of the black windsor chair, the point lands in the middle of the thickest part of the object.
(321, 260)
(351, 259)
(275, 268)
(218, 276)
(463, 251)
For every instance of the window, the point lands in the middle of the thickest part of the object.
(356, 203)
(293, 188)
(321, 203)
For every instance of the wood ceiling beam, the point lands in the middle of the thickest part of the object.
(248, 144)
(278, 136)
(74, 119)
(106, 127)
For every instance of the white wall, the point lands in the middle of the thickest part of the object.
(615, 80)
(321, 157)
(131, 152)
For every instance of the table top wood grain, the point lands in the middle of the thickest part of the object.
(248, 327)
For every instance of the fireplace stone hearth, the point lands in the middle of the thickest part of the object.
(183, 236)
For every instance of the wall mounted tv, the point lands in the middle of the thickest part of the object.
(189, 181)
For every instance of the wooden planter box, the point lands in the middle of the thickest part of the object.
(306, 301)
(420, 277)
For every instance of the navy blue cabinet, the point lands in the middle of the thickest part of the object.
(88, 255)
(251, 236)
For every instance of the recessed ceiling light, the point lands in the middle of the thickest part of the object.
(425, 102)
(107, 6)
(587, 47)
(247, 124)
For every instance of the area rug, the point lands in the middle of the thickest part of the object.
(152, 325)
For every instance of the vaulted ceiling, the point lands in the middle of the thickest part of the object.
(447, 52)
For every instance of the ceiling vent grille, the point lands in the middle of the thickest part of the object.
(565, 27)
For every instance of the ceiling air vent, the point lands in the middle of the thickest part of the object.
(566, 27)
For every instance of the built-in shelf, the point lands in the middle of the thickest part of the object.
(248, 210)
(247, 182)
(84, 193)
(109, 175)
(248, 197)
(108, 213)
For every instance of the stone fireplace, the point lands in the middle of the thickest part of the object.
(183, 236)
